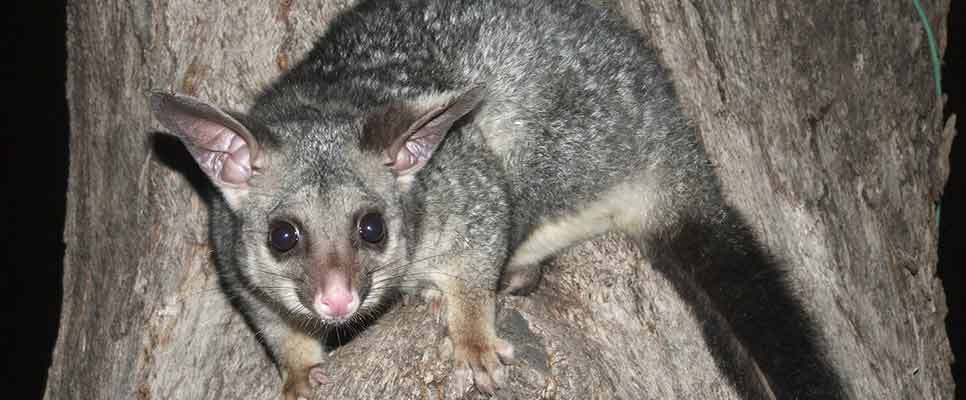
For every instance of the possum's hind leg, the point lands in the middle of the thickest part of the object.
(523, 272)
(521, 280)
(625, 207)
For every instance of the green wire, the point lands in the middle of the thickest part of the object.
(936, 68)
(933, 48)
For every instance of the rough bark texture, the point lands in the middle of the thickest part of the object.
(820, 115)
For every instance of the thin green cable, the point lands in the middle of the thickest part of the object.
(936, 68)
(933, 48)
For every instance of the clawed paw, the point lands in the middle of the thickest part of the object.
(520, 281)
(299, 385)
(481, 363)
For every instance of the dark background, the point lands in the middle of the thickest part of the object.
(34, 149)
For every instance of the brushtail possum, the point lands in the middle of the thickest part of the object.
(453, 146)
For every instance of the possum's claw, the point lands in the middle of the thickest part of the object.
(477, 352)
(300, 385)
(481, 365)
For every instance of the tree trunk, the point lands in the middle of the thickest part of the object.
(821, 117)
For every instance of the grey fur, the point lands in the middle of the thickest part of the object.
(578, 133)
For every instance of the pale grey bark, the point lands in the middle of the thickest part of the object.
(820, 115)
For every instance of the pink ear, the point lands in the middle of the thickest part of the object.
(411, 150)
(223, 148)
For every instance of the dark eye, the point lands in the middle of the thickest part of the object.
(282, 236)
(372, 229)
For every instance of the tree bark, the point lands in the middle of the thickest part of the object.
(820, 116)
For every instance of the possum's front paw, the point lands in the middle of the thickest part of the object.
(301, 382)
(480, 359)
(299, 358)
(471, 339)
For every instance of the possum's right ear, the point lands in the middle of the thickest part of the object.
(224, 149)
(408, 133)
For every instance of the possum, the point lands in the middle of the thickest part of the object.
(451, 147)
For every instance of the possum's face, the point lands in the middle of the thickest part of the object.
(322, 227)
(323, 236)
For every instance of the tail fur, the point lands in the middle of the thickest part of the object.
(758, 332)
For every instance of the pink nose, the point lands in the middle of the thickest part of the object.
(337, 302)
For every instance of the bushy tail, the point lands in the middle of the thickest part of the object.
(758, 331)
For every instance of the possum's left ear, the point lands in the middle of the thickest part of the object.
(407, 135)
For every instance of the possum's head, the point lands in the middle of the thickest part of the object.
(318, 221)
